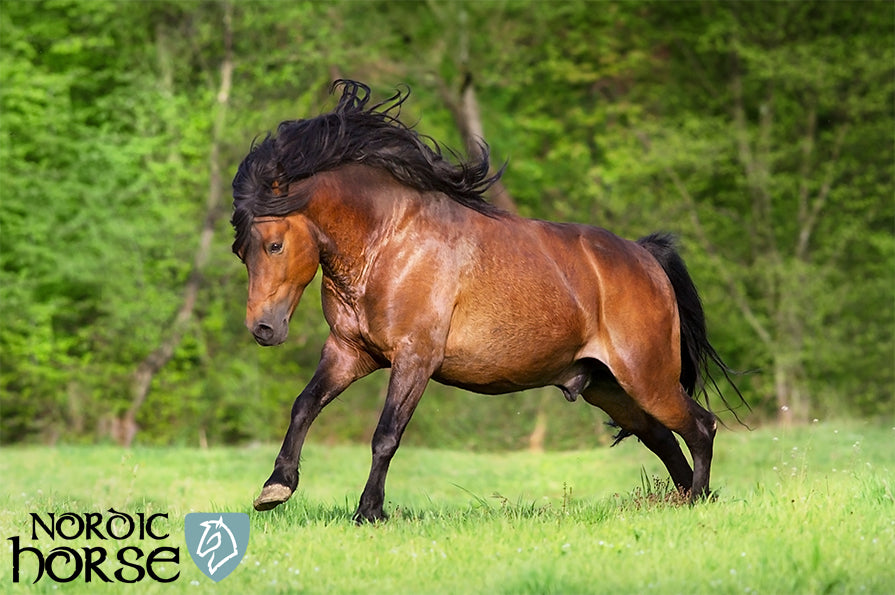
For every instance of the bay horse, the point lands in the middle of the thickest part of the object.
(424, 276)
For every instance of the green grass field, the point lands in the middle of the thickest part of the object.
(805, 510)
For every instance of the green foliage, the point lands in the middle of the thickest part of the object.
(760, 133)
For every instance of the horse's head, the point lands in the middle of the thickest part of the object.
(282, 257)
(217, 543)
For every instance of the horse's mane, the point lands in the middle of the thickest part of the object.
(351, 133)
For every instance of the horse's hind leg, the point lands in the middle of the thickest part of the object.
(677, 411)
(610, 397)
(698, 431)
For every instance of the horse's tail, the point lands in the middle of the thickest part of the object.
(697, 354)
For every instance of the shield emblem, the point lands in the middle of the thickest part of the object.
(217, 541)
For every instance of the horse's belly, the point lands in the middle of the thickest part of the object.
(510, 367)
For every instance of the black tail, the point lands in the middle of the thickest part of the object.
(697, 354)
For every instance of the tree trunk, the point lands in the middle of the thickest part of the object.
(125, 429)
(784, 389)
(465, 109)
(538, 435)
(777, 267)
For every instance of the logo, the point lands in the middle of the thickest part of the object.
(217, 541)
(82, 546)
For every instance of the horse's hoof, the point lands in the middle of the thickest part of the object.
(272, 496)
(362, 518)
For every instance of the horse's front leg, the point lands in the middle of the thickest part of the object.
(404, 391)
(339, 366)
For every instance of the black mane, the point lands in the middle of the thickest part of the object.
(351, 133)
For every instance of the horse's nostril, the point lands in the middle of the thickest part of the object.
(262, 331)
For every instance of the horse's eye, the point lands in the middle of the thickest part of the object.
(275, 248)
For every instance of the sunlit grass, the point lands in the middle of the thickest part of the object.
(804, 510)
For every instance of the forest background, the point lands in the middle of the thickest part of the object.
(760, 133)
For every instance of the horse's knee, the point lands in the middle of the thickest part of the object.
(384, 445)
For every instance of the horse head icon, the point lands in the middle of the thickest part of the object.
(217, 544)
(217, 541)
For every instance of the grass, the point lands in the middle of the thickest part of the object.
(805, 510)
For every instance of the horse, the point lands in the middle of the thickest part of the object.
(422, 275)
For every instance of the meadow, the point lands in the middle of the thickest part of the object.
(800, 510)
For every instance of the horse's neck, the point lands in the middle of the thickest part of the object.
(355, 209)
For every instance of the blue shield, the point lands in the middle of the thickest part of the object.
(217, 541)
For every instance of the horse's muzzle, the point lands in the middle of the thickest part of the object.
(267, 334)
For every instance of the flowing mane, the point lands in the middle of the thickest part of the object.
(351, 133)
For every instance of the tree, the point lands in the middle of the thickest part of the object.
(70, 173)
(759, 152)
(155, 360)
(760, 133)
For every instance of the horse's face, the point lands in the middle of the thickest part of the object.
(281, 258)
